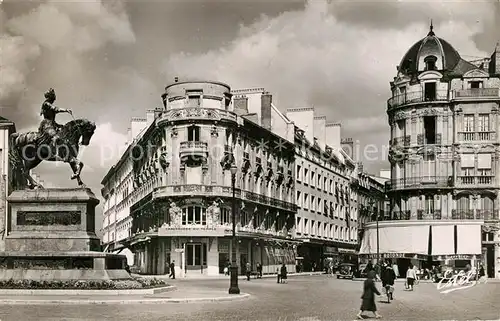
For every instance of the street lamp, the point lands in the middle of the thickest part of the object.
(371, 203)
(233, 288)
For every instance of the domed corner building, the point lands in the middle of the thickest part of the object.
(444, 154)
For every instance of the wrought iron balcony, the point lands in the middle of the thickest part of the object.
(429, 215)
(193, 149)
(222, 191)
(475, 93)
(488, 215)
(417, 97)
(419, 182)
(462, 214)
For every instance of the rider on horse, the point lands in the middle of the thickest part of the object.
(48, 127)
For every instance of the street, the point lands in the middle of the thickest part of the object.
(303, 298)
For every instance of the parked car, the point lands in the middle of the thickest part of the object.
(346, 271)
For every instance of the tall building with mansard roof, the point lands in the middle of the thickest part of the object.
(444, 154)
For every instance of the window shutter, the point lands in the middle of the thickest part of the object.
(467, 161)
(484, 161)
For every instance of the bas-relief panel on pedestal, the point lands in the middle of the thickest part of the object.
(43, 218)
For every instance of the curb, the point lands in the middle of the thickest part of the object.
(217, 277)
(236, 297)
(87, 292)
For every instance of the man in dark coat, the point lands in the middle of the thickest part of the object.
(172, 270)
(368, 297)
(388, 277)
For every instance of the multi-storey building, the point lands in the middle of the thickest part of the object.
(326, 220)
(372, 199)
(169, 198)
(444, 118)
(6, 129)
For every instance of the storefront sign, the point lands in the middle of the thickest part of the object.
(396, 256)
(191, 231)
(330, 250)
(349, 251)
(454, 257)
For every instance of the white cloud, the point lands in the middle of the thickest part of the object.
(341, 68)
(309, 57)
(106, 147)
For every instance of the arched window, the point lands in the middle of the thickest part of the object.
(193, 133)
(430, 63)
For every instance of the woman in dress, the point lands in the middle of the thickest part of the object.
(368, 297)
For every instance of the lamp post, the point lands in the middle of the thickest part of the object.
(233, 288)
(371, 203)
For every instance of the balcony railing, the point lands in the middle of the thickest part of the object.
(462, 214)
(477, 93)
(476, 136)
(429, 215)
(223, 191)
(419, 182)
(416, 97)
(193, 149)
(421, 140)
(403, 140)
(476, 180)
(487, 215)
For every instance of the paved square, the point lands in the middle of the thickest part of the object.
(302, 299)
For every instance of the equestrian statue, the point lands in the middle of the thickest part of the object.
(52, 142)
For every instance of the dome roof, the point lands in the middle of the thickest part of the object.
(446, 57)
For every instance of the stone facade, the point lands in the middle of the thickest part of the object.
(326, 221)
(444, 148)
(173, 203)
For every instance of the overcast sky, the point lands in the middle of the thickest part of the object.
(110, 60)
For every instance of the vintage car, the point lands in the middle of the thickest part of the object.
(346, 271)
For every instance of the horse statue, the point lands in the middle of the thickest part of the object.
(29, 149)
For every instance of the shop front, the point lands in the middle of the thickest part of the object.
(423, 244)
(311, 254)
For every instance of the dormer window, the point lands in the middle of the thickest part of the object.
(430, 63)
(194, 98)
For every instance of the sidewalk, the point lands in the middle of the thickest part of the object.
(223, 277)
(179, 296)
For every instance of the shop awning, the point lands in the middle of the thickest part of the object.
(468, 239)
(401, 240)
(443, 240)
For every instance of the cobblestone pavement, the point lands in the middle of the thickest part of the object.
(314, 298)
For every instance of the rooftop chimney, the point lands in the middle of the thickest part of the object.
(265, 112)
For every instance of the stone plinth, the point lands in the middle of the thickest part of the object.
(52, 237)
(51, 220)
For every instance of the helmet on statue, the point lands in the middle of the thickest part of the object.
(50, 94)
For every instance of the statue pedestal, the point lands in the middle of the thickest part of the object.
(52, 237)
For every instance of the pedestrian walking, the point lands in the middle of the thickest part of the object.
(278, 272)
(482, 274)
(284, 273)
(368, 297)
(259, 270)
(172, 270)
(411, 275)
(248, 270)
(388, 278)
